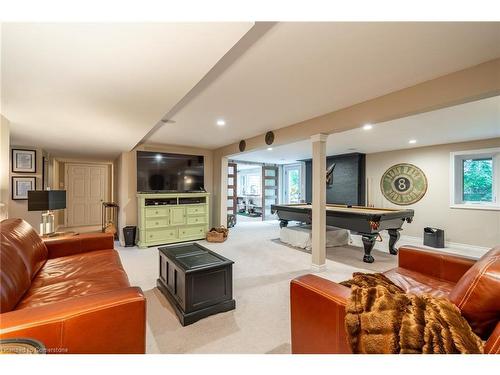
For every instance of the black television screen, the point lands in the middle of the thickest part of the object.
(162, 172)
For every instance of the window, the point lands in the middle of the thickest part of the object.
(475, 179)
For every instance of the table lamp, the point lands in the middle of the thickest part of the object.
(47, 201)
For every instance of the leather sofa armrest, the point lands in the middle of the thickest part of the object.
(439, 265)
(110, 322)
(317, 316)
(80, 243)
(492, 345)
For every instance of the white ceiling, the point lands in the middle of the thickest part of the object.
(297, 71)
(97, 89)
(466, 122)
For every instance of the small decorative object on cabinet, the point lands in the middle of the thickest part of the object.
(109, 218)
(172, 217)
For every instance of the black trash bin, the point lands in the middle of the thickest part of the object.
(129, 235)
(433, 237)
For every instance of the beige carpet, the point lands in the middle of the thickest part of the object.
(261, 276)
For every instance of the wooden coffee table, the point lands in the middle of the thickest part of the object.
(196, 281)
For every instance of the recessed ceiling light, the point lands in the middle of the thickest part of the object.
(269, 149)
(367, 126)
(221, 122)
(412, 141)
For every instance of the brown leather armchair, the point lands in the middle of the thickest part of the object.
(318, 305)
(70, 294)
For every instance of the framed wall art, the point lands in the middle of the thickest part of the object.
(23, 161)
(21, 186)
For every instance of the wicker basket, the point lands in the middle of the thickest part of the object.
(218, 234)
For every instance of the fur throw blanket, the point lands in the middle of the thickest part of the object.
(381, 318)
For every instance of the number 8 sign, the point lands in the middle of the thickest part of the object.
(403, 184)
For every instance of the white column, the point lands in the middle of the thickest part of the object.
(319, 201)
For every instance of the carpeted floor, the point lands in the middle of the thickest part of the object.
(261, 275)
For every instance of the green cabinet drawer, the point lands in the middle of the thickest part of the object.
(156, 211)
(158, 222)
(153, 235)
(195, 231)
(196, 220)
(196, 210)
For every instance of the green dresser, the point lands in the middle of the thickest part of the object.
(172, 217)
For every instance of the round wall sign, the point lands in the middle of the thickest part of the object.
(242, 145)
(403, 184)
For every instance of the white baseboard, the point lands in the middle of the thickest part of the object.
(450, 247)
(318, 268)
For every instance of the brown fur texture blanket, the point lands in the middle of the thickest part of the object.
(381, 318)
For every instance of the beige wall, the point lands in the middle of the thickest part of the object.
(4, 167)
(126, 171)
(478, 82)
(19, 208)
(465, 226)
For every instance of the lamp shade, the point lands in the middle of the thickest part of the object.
(46, 200)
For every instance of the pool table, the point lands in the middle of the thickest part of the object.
(367, 221)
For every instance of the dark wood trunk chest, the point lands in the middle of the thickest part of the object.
(196, 281)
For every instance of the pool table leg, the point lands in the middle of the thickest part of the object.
(393, 238)
(368, 244)
(283, 223)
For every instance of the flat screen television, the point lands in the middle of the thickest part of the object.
(159, 172)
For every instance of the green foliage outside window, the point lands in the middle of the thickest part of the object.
(478, 180)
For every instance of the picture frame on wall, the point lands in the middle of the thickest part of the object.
(21, 186)
(23, 161)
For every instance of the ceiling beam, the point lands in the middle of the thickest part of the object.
(474, 83)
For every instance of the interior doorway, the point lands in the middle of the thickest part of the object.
(248, 191)
(87, 187)
(293, 183)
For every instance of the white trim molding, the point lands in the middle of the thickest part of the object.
(455, 248)
(456, 178)
(318, 267)
(321, 137)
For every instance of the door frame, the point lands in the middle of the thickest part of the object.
(109, 180)
(302, 166)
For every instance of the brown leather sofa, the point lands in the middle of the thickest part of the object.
(318, 305)
(70, 294)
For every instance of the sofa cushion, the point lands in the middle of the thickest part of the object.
(477, 293)
(76, 266)
(28, 243)
(84, 285)
(25, 253)
(14, 279)
(417, 283)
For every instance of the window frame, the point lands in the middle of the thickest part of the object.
(456, 178)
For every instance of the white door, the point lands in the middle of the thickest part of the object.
(86, 189)
(292, 183)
